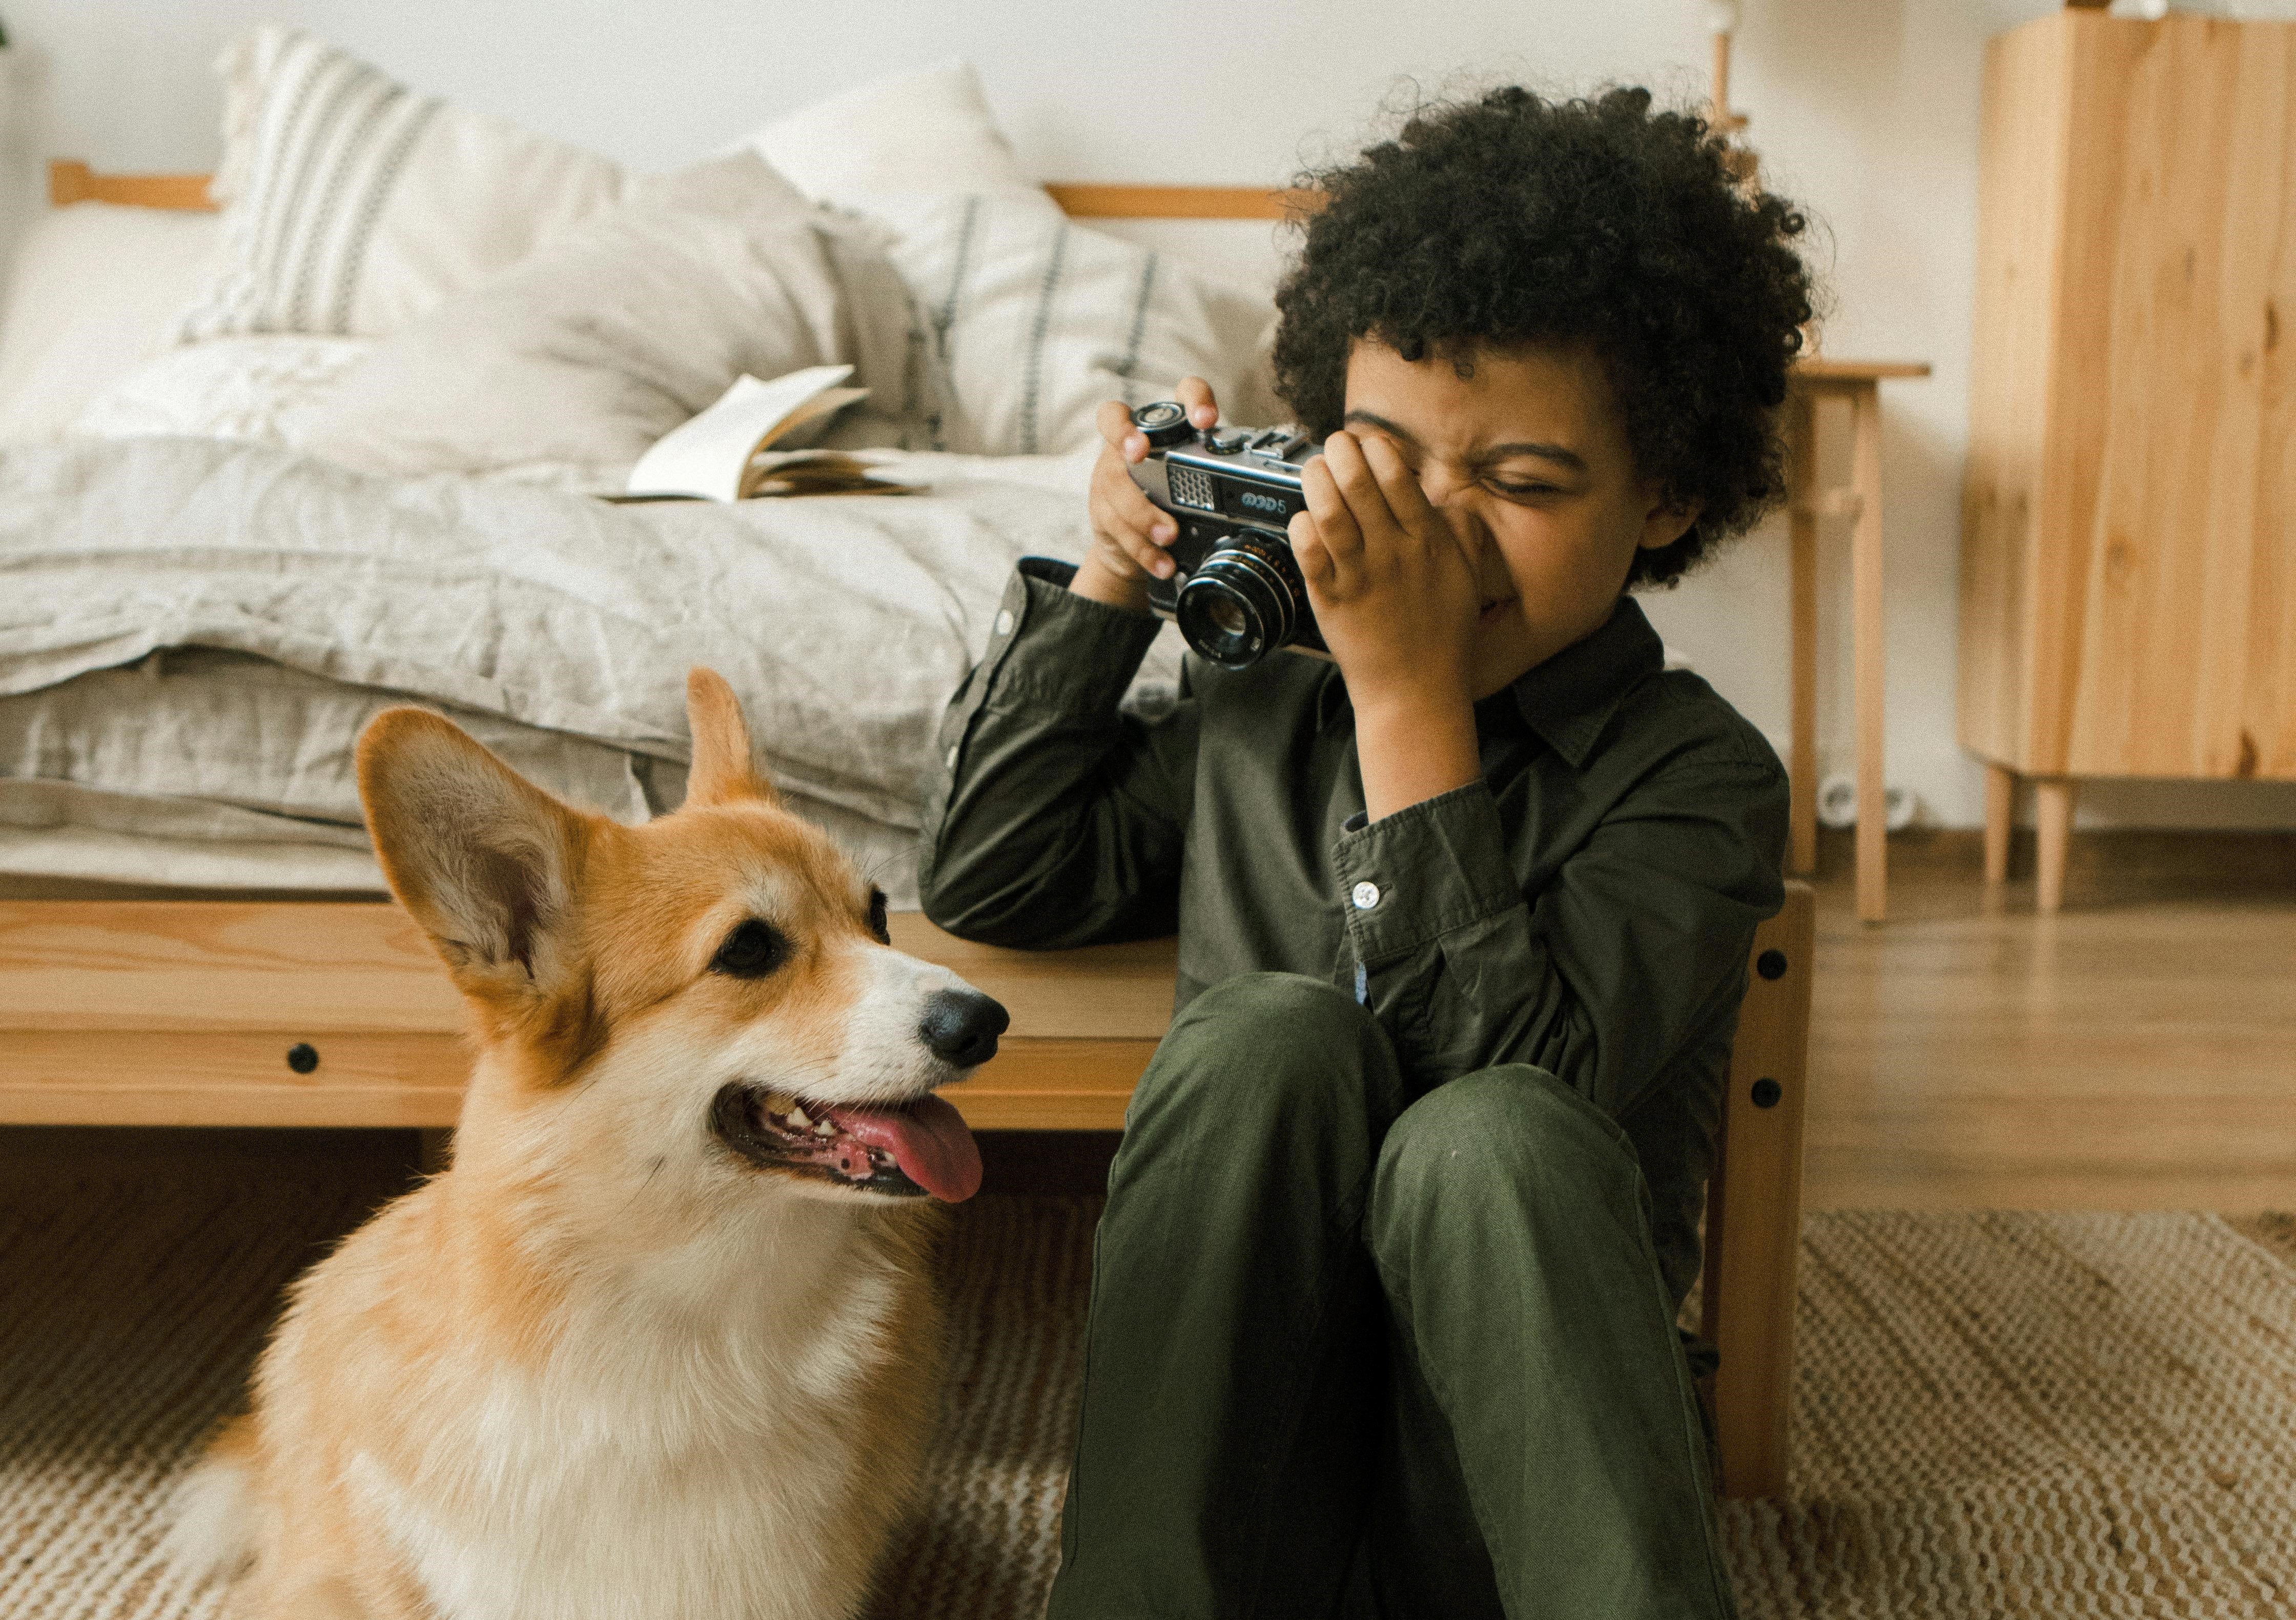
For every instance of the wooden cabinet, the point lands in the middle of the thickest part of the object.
(2128, 567)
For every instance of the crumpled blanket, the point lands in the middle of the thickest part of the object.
(843, 622)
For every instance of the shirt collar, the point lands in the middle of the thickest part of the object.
(1569, 699)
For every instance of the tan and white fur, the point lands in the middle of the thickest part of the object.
(604, 1365)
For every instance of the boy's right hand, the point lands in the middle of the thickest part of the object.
(1128, 532)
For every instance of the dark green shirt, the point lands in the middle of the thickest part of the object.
(1586, 907)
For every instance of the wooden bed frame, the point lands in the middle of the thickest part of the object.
(284, 1012)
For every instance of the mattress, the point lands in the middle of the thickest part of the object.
(200, 769)
(211, 767)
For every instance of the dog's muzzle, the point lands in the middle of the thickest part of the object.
(918, 1147)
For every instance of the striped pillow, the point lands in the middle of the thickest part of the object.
(353, 205)
(1033, 320)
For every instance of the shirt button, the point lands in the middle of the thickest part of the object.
(952, 756)
(1004, 621)
(1366, 896)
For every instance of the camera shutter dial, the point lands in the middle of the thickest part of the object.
(1165, 423)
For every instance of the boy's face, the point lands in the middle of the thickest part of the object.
(1527, 459)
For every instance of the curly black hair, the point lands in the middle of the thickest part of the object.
(1512, 220)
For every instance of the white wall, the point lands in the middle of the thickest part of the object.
(1865, 109)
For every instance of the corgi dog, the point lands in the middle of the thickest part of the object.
(663, 1340)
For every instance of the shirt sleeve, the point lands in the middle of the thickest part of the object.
(1053, 819)
(1606, 975)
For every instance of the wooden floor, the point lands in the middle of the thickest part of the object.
(2136, 1051)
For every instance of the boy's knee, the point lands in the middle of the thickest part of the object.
(1513, 1131)
(1264, 1041)
(1245, 999)
(1285, 1020)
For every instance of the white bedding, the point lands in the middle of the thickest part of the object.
(585, 353)
(564, 623)
(95, 291)
(209, 768)
(198, 614)
(230, 387)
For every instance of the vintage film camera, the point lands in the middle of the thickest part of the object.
(1235, 588)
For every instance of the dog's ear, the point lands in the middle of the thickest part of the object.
(724, 767)
(483, 860)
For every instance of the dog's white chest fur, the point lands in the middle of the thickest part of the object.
(690, 1462)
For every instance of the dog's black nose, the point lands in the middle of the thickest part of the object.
(962, 1025)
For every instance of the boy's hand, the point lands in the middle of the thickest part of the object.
(1129, 533)
(1393, 587)
(1396, 595)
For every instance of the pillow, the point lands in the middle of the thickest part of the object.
(603, 342)
(352, 205)
(95, 291)
(889, 342)
(1034, 320)
(925, 131)
(232, 387)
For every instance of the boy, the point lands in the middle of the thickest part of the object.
(1383, 1299)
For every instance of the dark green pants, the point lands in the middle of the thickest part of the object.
(1355, 1351)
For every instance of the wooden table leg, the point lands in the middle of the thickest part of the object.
(1801, 496)
(2000, 820)
(2053, 818)
(1865, 644)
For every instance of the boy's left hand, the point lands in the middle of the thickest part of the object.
(1394, 588)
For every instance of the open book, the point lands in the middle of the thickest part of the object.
(726, 452)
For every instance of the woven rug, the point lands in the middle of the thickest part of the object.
(1994, 1414)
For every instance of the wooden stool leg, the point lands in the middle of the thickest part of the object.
(2052, 815)
(1865, 639)
(1801, 494)
(2000, 820)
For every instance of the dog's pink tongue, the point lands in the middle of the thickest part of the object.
(927, 1140)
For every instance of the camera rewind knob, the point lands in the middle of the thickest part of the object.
(1164, 424)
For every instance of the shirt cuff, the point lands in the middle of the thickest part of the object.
(1052, 645)
(1050, 651)
(1409, 877)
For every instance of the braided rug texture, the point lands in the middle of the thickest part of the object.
(2029, 1414)
(1994, 1414)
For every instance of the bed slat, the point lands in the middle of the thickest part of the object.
(1178, 202)
(186, 1012)
(70, 181)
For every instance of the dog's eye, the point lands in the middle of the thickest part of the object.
(751, 952)
(877, 917)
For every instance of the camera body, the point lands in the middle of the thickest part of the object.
(1235, 590)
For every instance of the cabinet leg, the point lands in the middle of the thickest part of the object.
(2000, 820)
(2053, 813)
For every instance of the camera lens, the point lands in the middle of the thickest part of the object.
(1242, 602)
